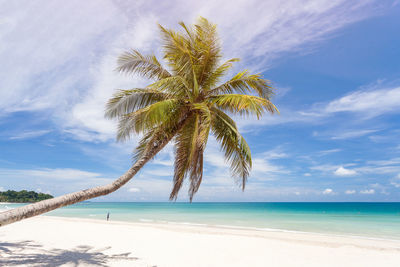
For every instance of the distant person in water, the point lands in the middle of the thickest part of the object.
(108, 216)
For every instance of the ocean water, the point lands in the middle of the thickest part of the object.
(374, 220)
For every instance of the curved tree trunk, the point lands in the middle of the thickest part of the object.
(47, 205)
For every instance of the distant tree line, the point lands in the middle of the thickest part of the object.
(22, 196)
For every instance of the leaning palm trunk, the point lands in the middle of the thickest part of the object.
(47, 205)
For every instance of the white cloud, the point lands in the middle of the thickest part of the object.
(53, 42)
(389, 166)
(396, 181)
(351, 134)
(168, 172)
(29, 134)
(393, 161)
(275, 153)
(41, 191)
(367, 191)
(370, 103)
(262, 166)
(366, 103)
(46, 173)
(328, 191)
(307, 174)
(329, 151)
(134, 190)
(325, 167)
(341, 171)
(350, 192)
(68, 51)
(379, 169)
(285, 116)
(1, 189)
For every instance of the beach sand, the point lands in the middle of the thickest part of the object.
(55, 241)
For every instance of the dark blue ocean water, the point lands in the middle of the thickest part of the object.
(379, 220)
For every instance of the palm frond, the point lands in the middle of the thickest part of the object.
(174, 85)
(218, 73)
(208, 49)
(196, 165)
(188, 30)
(136, 63)
(177, 53)
(127, 101)
(236, 149)
(152, 137)
(243, 83)
(185, 145)
(243, 104)
(146, 118)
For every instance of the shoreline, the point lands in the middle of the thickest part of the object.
(322, 225)
(222, 227)
(87, 242)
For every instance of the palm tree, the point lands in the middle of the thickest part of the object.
(184, 104)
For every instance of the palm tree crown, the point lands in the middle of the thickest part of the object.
(187, 101)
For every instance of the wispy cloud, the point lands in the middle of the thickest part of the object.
(392, 161)
(47, 173)
(395, 181)
(361, 105)
(351, 134)
(377, 167)
(369, 103)
(29, 134)
(367, 192)
(69, 57)
(329, 151)
(134, 189)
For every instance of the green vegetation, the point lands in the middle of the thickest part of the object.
(187, 100)
(22, 196)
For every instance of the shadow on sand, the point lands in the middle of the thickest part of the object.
(15, 254)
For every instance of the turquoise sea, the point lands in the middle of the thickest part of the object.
(376, 220)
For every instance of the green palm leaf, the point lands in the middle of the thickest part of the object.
(127, 101)
(243, 83)
(185, 146)
(215, 76)
(146, 118)
(236, 149)
(243, 104)
(147, 66)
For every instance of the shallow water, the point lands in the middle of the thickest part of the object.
(377, 220)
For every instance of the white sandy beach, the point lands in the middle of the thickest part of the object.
(54, 241)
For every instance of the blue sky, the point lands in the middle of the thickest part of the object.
(335, 66)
